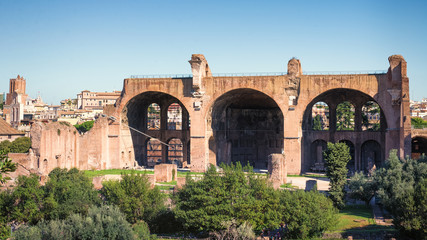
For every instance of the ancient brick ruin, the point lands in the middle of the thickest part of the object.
(206, 119)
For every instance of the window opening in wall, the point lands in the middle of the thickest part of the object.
(320, 116)
(345, 116)
(371, 116)
(153, 117)
(174, 117)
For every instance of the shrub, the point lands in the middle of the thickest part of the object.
(306, 214)
(5, 146)
(84, 127)
(20, 145)
(106, 222)
(362, 187)
(67, 192)
(337, 156)
(133, 195)
(142, 231)
(203, 206)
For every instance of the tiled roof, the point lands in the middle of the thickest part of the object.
(6, 129)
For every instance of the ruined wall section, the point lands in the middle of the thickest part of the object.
(59, 144)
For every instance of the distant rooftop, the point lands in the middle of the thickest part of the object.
(260, 74)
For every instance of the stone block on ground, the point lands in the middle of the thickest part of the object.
(165, 172)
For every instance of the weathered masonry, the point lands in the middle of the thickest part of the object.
(207, 119)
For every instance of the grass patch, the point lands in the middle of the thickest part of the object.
(168, 183)
(184, 174)
(355, 216)
(166, 188)
(288, 185)
(96, 173)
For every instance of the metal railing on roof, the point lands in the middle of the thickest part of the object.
(254, 74)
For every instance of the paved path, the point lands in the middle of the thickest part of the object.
(322, 183)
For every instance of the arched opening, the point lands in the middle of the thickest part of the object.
(176, 152)
(371, 116)
(153, 117)
(345, 116)
(371, 156)
(419, 147)
(317, 148)
(247, 126)
(148, 115)
(345, 122)
(351, 166)
(153, 152)
(320, 116)
(174, 117)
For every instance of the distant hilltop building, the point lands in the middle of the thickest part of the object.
(96, 100)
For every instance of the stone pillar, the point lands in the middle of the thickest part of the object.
(277, 169)
(358, 117)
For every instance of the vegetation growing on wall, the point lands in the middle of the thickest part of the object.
(418, 122)
(84, 127)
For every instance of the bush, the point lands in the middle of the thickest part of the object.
(142, 231)
(67, 192)
(204, 206)
(5, 146)
(133, 195)
(106, 222)
(362, 187)
(337, 156)
(20, 145)
(306, 214)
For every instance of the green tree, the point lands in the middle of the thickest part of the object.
(5, 146)
(134, 196)
(6, 166)
(25, 201)
(106, 222)
(418, 122)
(345, 116)
(67, 192)
(362, 187)
(402, 190)
(84, 127)
(20, 145)
(317, 123)
(204, 206)
(337, 155)
(307, 214)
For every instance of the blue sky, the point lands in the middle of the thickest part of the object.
(64, 47)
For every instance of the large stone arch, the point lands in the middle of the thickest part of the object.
(134, 122)
(332, 98)
(247, 126)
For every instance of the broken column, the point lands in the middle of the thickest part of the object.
(277, 169)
